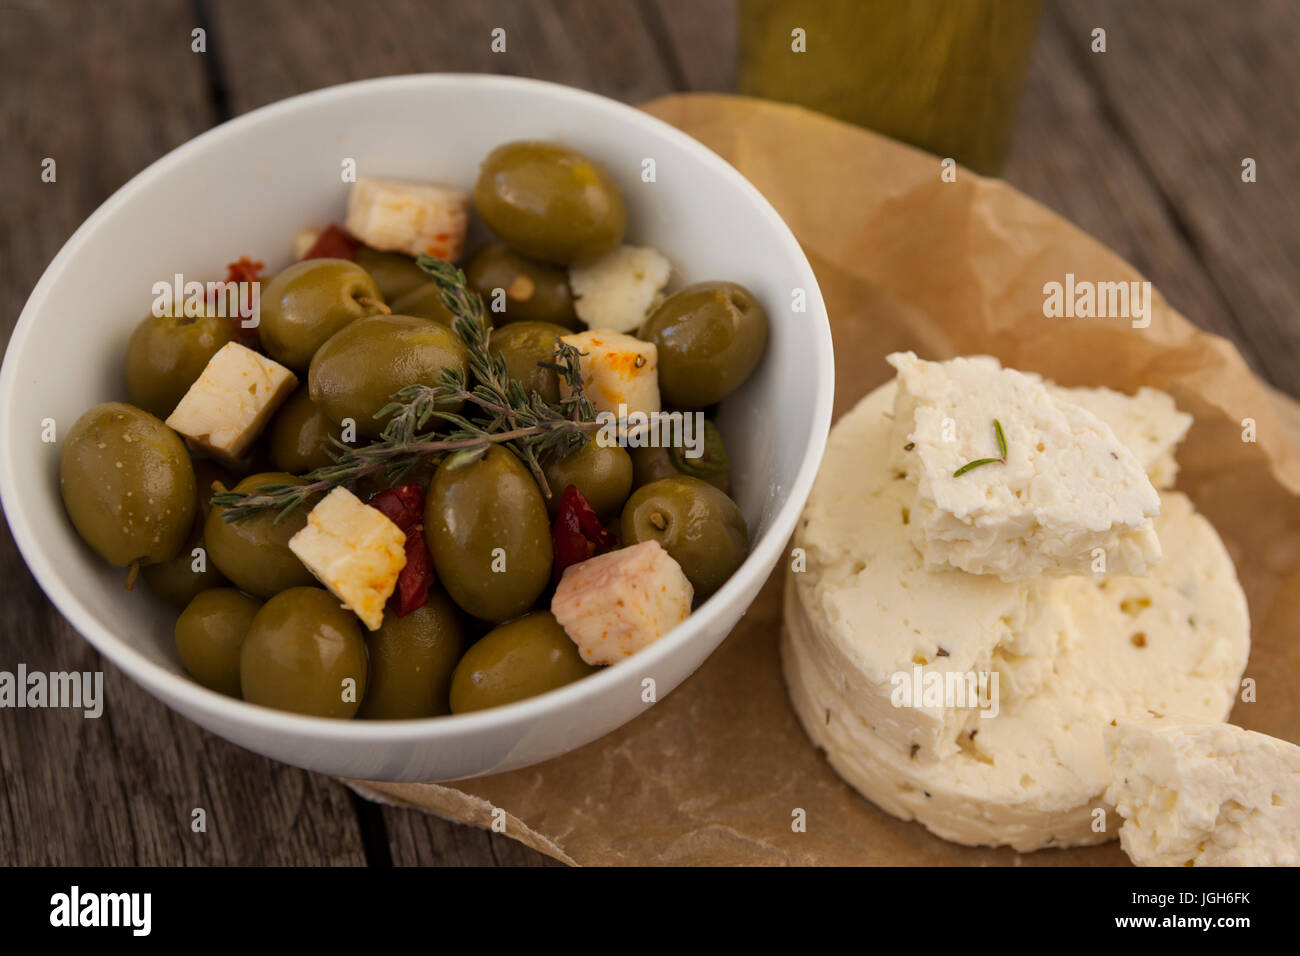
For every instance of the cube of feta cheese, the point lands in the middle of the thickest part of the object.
(355, 551)
(1069, 498)
(1203, 794)
(617, 369)
(397, 216)
(231, 402)
(619, 290)
(615, 604)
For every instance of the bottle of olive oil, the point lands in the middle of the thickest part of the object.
(944, 75)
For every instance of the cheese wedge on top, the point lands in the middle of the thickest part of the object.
(231, 402)
(1070, 654)
(355, 551)
(1204, 794)
(1069, 498)
(1147, 423)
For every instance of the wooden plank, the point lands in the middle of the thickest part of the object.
(105, 89)
(699, 39)
(1069, 155)
(599, 45)
(1197, 87)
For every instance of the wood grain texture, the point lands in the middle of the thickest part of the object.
(599, 45)
(1193, 89)
(105, 89)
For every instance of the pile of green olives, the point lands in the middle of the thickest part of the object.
(253, 621)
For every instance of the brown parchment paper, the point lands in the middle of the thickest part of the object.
(714, 772)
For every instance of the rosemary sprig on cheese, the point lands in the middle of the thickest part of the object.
(1002, 450)
(503, 413)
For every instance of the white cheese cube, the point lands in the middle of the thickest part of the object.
(615, 604)
(1069, 498)
(1203, 794)
(619, 290)
(355, 551)
(397, 216)
(1148, 424)
(231, 402)
(617, 370)
(303, 240)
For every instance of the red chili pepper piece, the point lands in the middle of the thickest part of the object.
(413, 583)
(404, 507)
(244, 270)
(577, 533)
(333, 243)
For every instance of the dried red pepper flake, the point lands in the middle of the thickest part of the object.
(403, 505)
(577, 533)
(244, 270)
(333, 243)
(412, 591)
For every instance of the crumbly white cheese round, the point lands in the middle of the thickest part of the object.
(1071, 654)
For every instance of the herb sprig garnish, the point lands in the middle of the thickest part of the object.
(1002, 450)
(497, 411)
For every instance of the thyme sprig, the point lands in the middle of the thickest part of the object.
(1002, 450)
(495, 409)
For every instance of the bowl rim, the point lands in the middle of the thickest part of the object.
(158, 680)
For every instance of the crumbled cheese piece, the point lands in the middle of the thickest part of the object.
(232, 401)
(619, 290)
(414, 218)
(1070, 498)
(615, 604)
(617, 370)
(1204, 794)
(355, 551)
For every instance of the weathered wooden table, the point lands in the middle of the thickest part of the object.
(1142, 146)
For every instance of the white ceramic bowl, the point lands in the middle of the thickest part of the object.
(244, 189)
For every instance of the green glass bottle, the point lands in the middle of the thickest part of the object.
(944, 75)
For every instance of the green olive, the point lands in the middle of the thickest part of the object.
(395, 274)
(652, 463)
(356, 373)
(700, 528)
(487, 531)
(710, 338)
(299, 436)
(412, 659)
(304, 653)
(128, 485)
(517, 289)
(308, 302)
(514, 661)
(167, 354)
(425, 302)
(179, 579)
(254, 553)
(550, 202)
(523, 345)
(603, 473)
(209, 634)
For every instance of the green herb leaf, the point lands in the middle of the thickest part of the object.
(1002, 440)
(975, 464)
